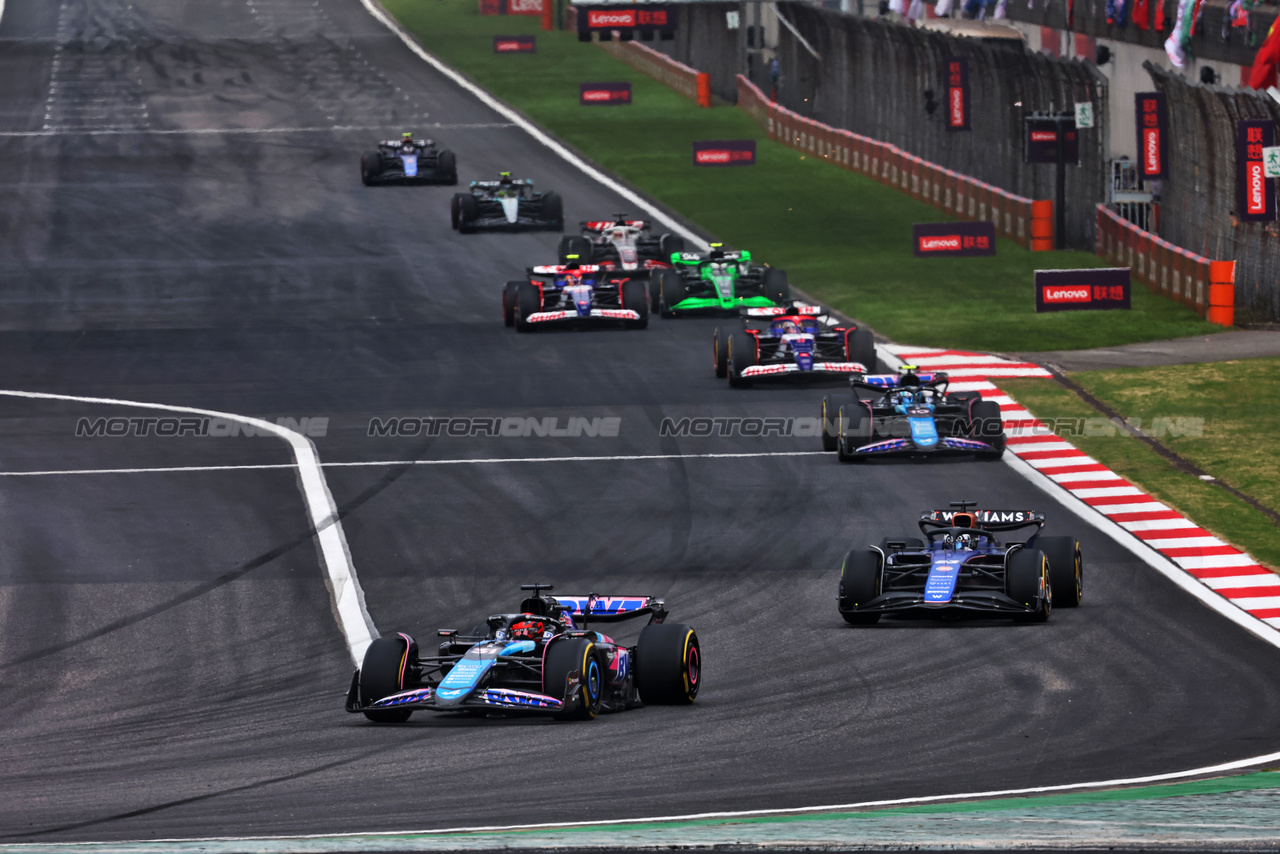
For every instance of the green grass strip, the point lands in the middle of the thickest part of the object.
(843, 238)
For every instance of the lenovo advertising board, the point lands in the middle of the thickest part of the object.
(604, 93)
(1257, 192)
(1040, 141)
(1152, 120)
(515, 44)
(1077, 290)
(957, 89)
(646, 17)
(953, 239)
(724, 152)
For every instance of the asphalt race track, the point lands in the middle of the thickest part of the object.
(181, 221)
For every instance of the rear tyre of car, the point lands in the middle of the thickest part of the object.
(370, 166)
(455, 209)
(720, 353)
(510, 293)
(668, 665)
(447, 167)
(382, 673)
(859, 584)
(574, 244)
(988, 427)
(670, 291)
(1066, 569)
(528, 301)
(852, 431)
(566, 656)
(829, 424)
(740, 356)
(776, 286)
(860, 346)
(1027, 583)
(468, 212)
(553, 211)
(635, 298)
(670, 244)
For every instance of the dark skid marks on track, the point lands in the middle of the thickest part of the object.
(253, 273)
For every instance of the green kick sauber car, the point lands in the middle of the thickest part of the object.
(715, 282)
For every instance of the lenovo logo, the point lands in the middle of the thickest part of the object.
(947, 243)
(598, 18)
(713, 156)
(1044, 136)
(1054, 294)
(957, 107)
(514, 44)
(524, 7)
(1256, 200)
(1151, 151)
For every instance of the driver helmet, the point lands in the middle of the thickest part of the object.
(962, 542)
(530, 629)
(504, 177)
(406, 138)
(717, 250)
(789, 327)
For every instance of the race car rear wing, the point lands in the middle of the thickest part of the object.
(612, 609)
(557, 269)
(797, 308)
(601, 224)
(987, 520)
(493, 185)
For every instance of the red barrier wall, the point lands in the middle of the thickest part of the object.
(659, 66)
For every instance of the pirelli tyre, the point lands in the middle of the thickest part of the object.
(1066, 569)
(670, 244)
(387, 662)
(670, 291)
(528, 302)
(575, 245)
(853, 430)
(988, 427)
(468, 212)
(776, 286)
(447, 167)
(742, 354)
(370, 166)
(1027, 583)
(829, 423)
(510, 293)
(860, 347)
(668, 664)
(720, 353)
(564, 657)
(635, 298)
(860, 580)
(553, 211)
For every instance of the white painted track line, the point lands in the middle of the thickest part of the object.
(348, 599)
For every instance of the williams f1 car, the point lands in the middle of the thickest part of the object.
(958, 566)
(575, 294)
(626, 243)
(910, 414)
(790, 343)
(716, 281)
(408, 161)
(508, 204)
(542, 660)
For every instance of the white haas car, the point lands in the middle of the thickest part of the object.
(626, 243)
(791, 343)
(575, 294)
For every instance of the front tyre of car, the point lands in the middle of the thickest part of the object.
(447, 167)
(510, 294)
(776, 286)
(1027, 583)
(742, 354)
(635, 298)
(668, 664)
(830, 438)
(565, 656)
(370, 166)
(860, 580)
(528, 302)
(388, 663)
(553, 211)
(720, 353)
(988, 427)
(1066, 569)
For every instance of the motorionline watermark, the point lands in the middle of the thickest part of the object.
(116, 428)
(510, 426)
(899, 427)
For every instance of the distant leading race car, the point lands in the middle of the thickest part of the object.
(790, 343)
(507, 204)
(627, 243)
(541, 660)
(575, 294)
(408, 161)
(958, 566)
(910, 414)
(716, 281)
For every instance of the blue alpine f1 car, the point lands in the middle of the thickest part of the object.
(542, 659)
(577, 295)
(910, 414)
(959, 566)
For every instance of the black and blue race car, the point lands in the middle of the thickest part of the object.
(910, 414)
(958, 566)
(408, 161)
(543, 659)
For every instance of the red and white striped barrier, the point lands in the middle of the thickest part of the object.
(1219, 566)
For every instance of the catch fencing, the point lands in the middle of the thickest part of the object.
(1027, 222)
(885, 80)
(661, 67)
(1198, 201)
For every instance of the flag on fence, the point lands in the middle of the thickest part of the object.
(1263, 74)
(1142, 14)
